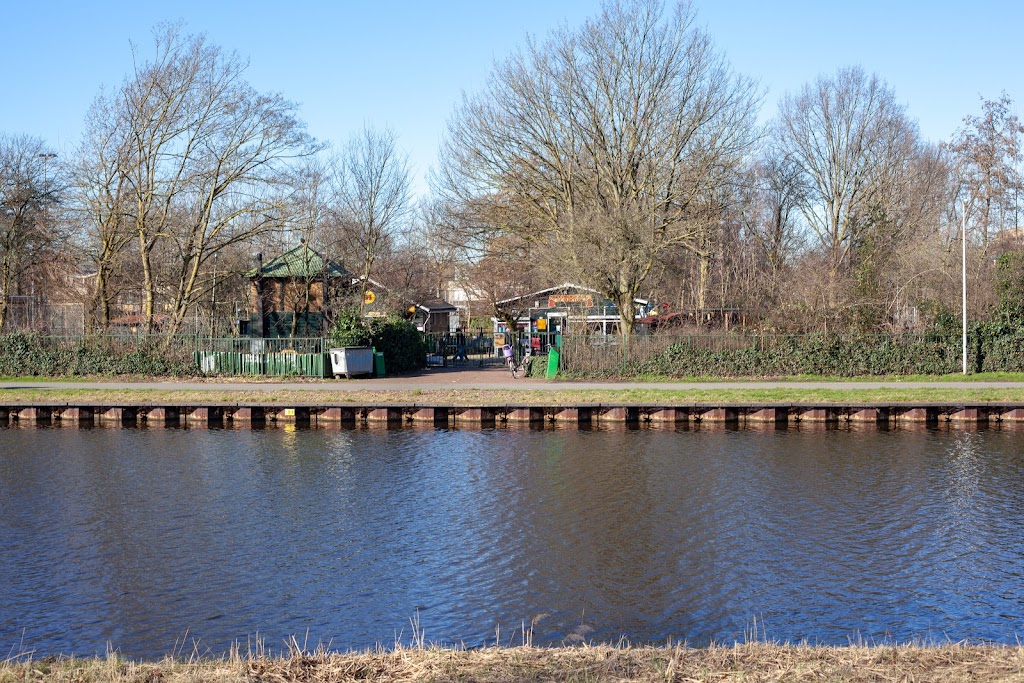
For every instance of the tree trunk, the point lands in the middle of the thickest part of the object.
(148, 285)
(5, 287)
(101, 302)
(627, 319)
(702, 282)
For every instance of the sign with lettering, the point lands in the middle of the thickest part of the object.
(556, 300)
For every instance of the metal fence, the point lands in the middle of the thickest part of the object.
(281, 364)
(595, 353)
(278, 356)
(35, 314)
(480, 349)
(124, 343)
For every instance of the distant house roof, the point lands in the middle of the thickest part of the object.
(559, 288)
(301, 262)
(434, 305)
(549, 290)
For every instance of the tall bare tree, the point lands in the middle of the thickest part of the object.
(848, 137)
(309, 212)
(27, 191)
(373, 196)
(102, 200)
(603, 146)
(202, 158)
(987, 154)
(769, 198)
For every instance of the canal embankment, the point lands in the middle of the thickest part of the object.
(492, 398)
(747, 662)
(246, 414)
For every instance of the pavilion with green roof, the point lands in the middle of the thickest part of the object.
(290, 293)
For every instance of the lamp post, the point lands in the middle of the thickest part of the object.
(46, 156)
(963, 262)
(213, 299)
(44, 197)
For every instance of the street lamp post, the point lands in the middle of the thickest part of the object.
(44, 201)
(46, 156)
(213, 302)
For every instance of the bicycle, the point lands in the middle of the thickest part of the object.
(520, 367)
(510, 360)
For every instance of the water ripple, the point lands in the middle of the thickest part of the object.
(139, 537)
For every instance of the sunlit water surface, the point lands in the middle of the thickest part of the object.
(144, 539)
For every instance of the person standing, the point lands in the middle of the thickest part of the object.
(460, 346)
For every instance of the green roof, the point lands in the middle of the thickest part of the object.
(300, 262)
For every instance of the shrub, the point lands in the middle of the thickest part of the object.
(27, 354)
(538, 367)
(818, 355)
(399, 340)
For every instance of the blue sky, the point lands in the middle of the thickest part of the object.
(405, 64)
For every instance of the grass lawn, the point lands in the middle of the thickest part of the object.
(512, 396)
(978, 377)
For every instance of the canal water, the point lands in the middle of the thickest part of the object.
(148, 540)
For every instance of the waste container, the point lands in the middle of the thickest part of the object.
(351, 360)
(552, 363)
(378, 363)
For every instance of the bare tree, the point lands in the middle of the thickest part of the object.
(372, 197)
(434, 234)
(507, 271)
(601, 146)
(202, 161)
(309, 212)
(768, 203)
(848, 138)
(26, 230)
(987, 154)
(102, 201)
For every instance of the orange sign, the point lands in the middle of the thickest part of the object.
(556, 300)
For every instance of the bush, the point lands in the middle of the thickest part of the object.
(26, 354)
(399, 340)
(538, 367)
(805, 355)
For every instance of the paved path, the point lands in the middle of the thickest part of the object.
(489, 378)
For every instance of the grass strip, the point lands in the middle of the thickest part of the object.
(853, 381)
(741, 662)
(500, 397)
(956, 377)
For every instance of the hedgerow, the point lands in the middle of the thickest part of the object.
(28, 354)
(817, 355)
(993, 346)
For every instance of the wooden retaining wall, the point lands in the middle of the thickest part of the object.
(241, 415)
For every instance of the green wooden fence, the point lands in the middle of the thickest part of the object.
(267, 364)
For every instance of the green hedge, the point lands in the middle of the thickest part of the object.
(401, 343)
(994, 346)
(25, 354)
(538, 366)
(817, 355)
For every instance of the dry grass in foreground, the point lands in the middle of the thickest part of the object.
(742, 662)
